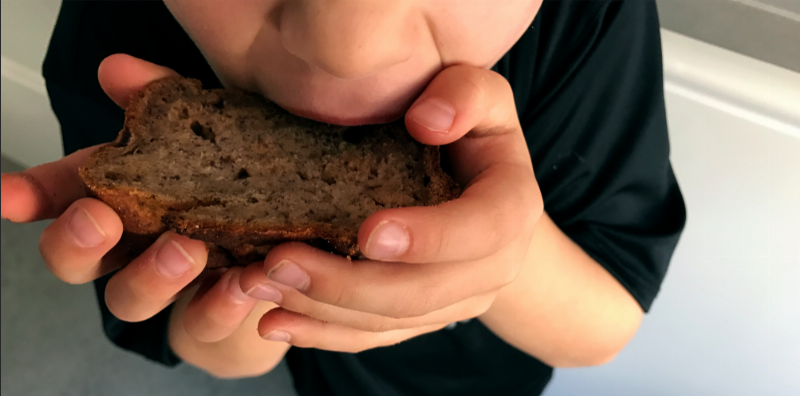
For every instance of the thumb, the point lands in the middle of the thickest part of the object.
(121, 76)
(459, 100)
(474, 104)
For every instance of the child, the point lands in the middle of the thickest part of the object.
(552, 115)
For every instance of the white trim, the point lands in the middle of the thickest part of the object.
(22, 75)
(736, 84)
(732, 109)
(771, 9)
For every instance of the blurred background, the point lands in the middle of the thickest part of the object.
(727, 320)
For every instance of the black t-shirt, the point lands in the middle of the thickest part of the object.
(587, 80)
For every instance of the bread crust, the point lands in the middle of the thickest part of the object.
(145, 216)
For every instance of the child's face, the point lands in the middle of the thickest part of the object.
(348, 61)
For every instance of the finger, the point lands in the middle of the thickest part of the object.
(150, 282)
(121, 76)
(216, 313)
(304, 332)
(502, 196)
(207, 278)
(259, 286)
(47, 190)
(74, 245)
(44, 191)
(481, 105)
(459, 100)
(387, 289)
(502, 204)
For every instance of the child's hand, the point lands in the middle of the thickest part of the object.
(77, 245)
(439, 264)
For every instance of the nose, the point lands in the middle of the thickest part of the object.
(349, 39)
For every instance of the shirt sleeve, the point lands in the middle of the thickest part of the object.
(87, 117)
(596, 127)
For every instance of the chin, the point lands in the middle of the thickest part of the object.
(375, 100)
(347, 110)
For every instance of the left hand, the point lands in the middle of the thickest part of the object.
(437, 264)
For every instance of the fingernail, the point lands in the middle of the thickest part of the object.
(387, 241)
(278, 336)
(289, 274)
(84, 229)
(235, 289)
(172, 260)
(265, 293)
(434, 114)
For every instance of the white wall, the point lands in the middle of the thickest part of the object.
(28, 128)
(727, 321)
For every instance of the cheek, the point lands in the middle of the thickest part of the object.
(223, 33)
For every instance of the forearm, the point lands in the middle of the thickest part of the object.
(563, 308)
(243, 354)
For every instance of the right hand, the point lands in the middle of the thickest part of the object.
(77, 245)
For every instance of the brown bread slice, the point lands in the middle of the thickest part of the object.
(236, 171)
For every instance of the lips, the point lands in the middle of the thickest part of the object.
(344, 121)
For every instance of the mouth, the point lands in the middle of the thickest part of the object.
(344, 121)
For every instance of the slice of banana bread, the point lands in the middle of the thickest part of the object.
(236, 171)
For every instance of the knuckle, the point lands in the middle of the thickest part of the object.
(424, 303)
(205, 327)
(314, 311)
(40, 197)
(475, 81)
(441, 241)
(136, 308)
(400, 310)
(472, 83)
(59, 268)
(499, 225)
(128, 311)
(526, 205)
(503, 89)
(381, 325)
(501, 84)
(498, 230)
(140, 296)
(340, 297)
(195, 331)
(371, 326)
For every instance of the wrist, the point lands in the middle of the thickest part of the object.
(563, 308)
